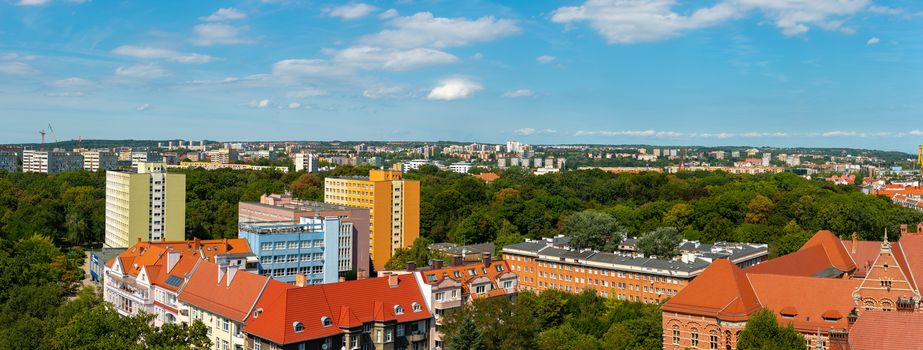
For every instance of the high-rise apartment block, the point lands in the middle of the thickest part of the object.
(145, 157)
(310, 248)
(307, 162)
(145, 204)
(100, 160)
(353, 241)
(223, 156)
(9, 161)
(395, 206)
(50, 161)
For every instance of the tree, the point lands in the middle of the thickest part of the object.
(466, 337)
(662, 243)
(419, 252)
(758, 210)
(763, 332)
(307, 186)
(593, 230)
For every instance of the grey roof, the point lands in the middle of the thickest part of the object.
(529, 246)
(455, 249)
(567, 253)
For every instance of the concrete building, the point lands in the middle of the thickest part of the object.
(551, 264)
(461, 167)
(9, 161)
(223, 155)
(100, 161)
(145, 157)
(307, 162)
(50, 162)
(354, 225)
(145, 204)
(309, 248)
(394, 204)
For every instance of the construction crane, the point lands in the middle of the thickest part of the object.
(43, 138)
(52, 133)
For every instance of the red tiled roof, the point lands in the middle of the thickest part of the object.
(882, 330)
(487, 176)
(721, 291)
(804, 262)
(347, 304)
(209, 292)
(434, 277)
(834, 248)
(810, 298)
(864, 255)
(909, 254)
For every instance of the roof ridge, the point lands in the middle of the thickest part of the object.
(257, 299)
(910, 280)
(757, 295)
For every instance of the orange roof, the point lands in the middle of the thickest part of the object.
(721, 291)
(463, 274)
(207, 249)
(909, 254)
(487, 176)
(810, 298)
(864, 255)
(887, 330)
(834, 248)
(805, 262)
(346, 304)
(208, 289)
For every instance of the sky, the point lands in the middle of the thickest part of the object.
(815, 73)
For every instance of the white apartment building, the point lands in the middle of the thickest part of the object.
(50, 162)
(307, 162)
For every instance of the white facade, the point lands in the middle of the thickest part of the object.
(100, 160)
(50, 161)
(307, 162)
(461, 167)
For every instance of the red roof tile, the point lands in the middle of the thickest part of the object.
(811, 298)
(346, 304)
(721, 291)
(887, 330)
(462, 273)
(206, 290)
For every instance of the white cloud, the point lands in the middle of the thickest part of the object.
(477, 56)
(454, 89)
(32, 2)
(916, 132)
(351, 11)
(631, 133)
(143, 71)
(208, 34)
(72, 82)
(264, 103)
(158, 53)
(764, 134)
(368, 57)
(305, 93)
(143, 107)
(13, 56)
(884, 10)
(545, 59)
(65, 94)
(383, 92)
(294, 105)
(839, 133)
(638, 21)
(390, 13)
(424, 30)
(16, 68)
(533, 131)
(873, 40)
(225, 14)
(519, 93)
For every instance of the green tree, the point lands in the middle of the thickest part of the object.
(758, 210)
(467, 337)
(419, 252)
(763, 332)
(593, 230)
(662, 243)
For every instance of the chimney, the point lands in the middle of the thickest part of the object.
(392, 280)
(485, 259)
(196, 243)
(920, 228)
(437, 264)
(458, 261)
(411, 265)
(341, 279)
(232, 271)
(854, 243)
(300, 280)
(903, 229)
(172, 259)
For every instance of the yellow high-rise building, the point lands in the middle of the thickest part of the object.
(394, 205)
(146, 204)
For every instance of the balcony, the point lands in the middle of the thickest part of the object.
(447, 304)
(416, 336)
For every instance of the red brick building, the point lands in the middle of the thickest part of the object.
(824, 290)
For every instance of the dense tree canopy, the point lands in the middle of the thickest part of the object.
(763, 332)
(555, 320)
(593, 230)
(662, 242)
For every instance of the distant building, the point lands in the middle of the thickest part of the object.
(50, 162)
(100, 161)
(463, 251)
(146, 204)
(145, 157)
(307, 162)
(213, 166)
(461, 167)
(284, 249)
(619, 170)
(752, 170)
(9, 161)
(395, 206)
(487, 177)
(223, 155)
(501, 163)
(767, 159)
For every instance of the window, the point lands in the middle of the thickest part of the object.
(480, 289)
(695, 337)
(378, 338)
(293, 245)
(417, 307)
(400, 330)
(507, 284)
(301, 346)
(398, 310)
(457, 274)
(440, 296)
(472, 272)
(280, 245)
(713, 340)
(389, 337)
(257, 345)
(499, 268)
(326, 321)
(266, 246)
(225, 325)
(299, 327)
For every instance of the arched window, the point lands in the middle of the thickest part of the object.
(398, 310)
(299, 327)
(695, 337)
(417, 307)
(675, 335)
(713, 340)
(326, 321)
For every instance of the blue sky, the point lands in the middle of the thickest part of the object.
(724, 72)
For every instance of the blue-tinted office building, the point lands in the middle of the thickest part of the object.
(286, 250)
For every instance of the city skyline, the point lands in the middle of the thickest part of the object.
(831, 73)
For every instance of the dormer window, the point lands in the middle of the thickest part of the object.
(457, 274)
(326, 321)
(472, 272)
(299, 327)
(398, 310)
(417, 307)
(499, 268)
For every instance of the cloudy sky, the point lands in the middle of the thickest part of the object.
(755, 72)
